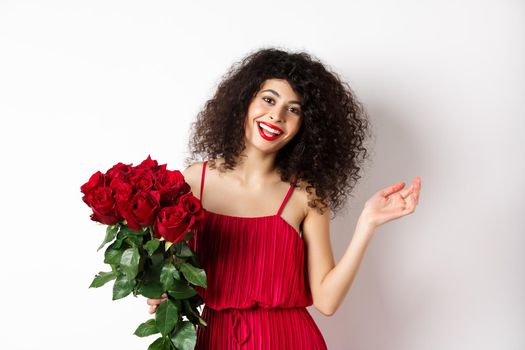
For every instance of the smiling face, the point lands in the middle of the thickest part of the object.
(274, 116)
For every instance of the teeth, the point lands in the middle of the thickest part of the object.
(266, 127)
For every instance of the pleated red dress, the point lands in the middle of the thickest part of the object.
(257, 283)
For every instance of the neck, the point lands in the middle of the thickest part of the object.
(255, 167)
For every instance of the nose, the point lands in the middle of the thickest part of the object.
(276, 115)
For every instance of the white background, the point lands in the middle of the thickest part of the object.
(85, 84)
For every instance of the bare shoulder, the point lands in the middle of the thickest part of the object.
(305, 193)
(314, 221)
(192, 175)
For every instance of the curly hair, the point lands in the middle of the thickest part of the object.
(328, 151)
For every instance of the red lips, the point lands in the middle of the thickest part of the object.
(272, 126)
(266, 137)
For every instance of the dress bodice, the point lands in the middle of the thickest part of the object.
(251, 261)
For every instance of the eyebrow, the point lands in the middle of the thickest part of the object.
(275, 93)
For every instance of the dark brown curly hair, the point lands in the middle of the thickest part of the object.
(326, 153)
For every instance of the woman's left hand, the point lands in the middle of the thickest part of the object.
(391, 203)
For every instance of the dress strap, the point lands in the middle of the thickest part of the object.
(288, 194)
(202, 178)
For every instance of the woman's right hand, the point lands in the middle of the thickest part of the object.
(155, 302)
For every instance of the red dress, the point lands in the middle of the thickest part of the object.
(257, 283)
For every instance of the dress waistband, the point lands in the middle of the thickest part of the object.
(239, 326)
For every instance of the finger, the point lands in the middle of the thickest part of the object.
(413, 188)
(391, 189)
(406, 192)
(418, 190)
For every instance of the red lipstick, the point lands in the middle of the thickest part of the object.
(269, 137)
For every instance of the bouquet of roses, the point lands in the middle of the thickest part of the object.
(151, 217)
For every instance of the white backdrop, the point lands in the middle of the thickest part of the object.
(84, 84)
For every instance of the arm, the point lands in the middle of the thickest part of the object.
(192, 175)
(330, 283)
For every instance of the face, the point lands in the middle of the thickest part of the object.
(274, 116)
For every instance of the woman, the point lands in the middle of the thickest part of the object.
(284, 138)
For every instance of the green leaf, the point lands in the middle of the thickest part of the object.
(134, 241)
(202, 322)
(122, 286)
(112, 255)
(194, 274)
(185, 337)
(190, 310)
(151, 290)
(102, 278)
(167, 275)
(160, 344)
(147, 328)
(150, 275)
(128, 231)
(111, 232)
(151, 246)
(120, 239)
(167, 245)
(182, 290)
(189, 235)
(166, 316)
(183, 250)
(157, 261)
(129, 262)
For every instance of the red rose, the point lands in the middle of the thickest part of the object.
(96, 180)
(123, 190)
(171, 184)
(141, 209)
(192, 205)
(148, 163)
(142, 179)
(120, 171)
(103, 205)
(172, 223)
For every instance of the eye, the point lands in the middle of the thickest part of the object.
(296, 111)
(267, 98)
